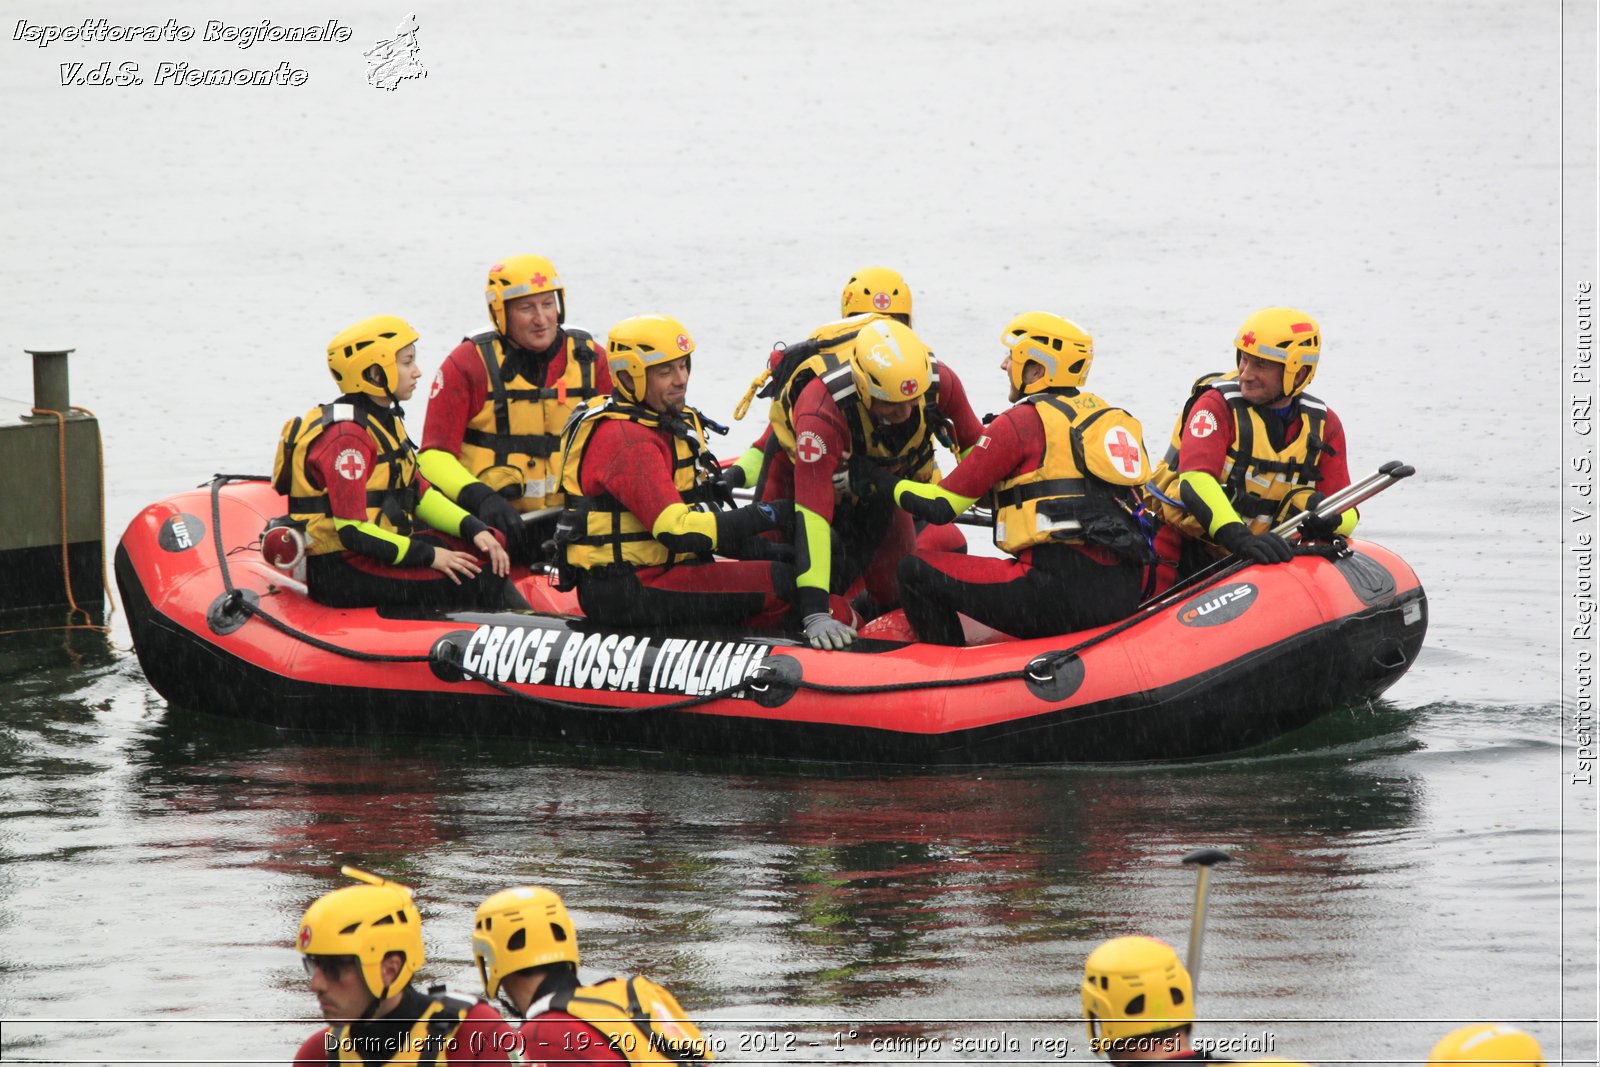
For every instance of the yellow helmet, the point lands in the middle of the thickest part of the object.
(1062, 347)
(636, 344)
(876, 289)
(367, 921)
(1285, 336)
(890, 362)
(520, 928)
(522, 276)
(1487, 1043)
(373, 342)
(1134, 986)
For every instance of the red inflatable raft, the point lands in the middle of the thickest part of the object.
(1237, 662)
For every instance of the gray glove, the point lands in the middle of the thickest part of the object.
(825, 631)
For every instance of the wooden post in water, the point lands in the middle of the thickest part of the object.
(49, 468)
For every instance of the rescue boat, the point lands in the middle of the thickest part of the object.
(1235, 662)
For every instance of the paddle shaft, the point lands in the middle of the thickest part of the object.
(1335, 504)
(1203, 859)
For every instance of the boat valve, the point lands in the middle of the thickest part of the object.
(773, 682)
(1052, 676)
(444, 659)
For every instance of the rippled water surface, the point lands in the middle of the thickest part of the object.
(1153, 170)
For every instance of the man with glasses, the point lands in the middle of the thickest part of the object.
(361, 945)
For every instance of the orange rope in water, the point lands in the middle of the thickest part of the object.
(100, 466)
(66, 565)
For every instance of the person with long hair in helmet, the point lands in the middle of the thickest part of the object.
(350, 473)
(1251, 449)
(642, 519)
(879, 400)
(1063, 466)
(526, 950)
(361, 946)
(1487, 1045)
(492, 438)
(1138, 1002)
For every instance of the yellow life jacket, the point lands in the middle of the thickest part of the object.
(833, 336)
(641, 1020)
(1256, 477)
(515, 438)
(1082, 492)
(425, 1044)
(905, 449)
(783, 360)
(598, 531)
(391, 483)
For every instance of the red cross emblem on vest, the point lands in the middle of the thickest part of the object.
(539, 280)
(810, 447)
(880, 301)
(351, 465)
(1123, 451)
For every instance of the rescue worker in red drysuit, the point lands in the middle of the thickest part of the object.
(351, 475)
(492, 438)
(880, 399)
(1250, 450)
(1063, 466)
(526, 949)
(1138, 1002)
(361, 945)
(872, 293)
(641, 520)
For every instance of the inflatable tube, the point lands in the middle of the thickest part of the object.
(1235, 664)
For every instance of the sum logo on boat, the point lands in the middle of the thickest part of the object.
(1215, 607)
(623, 663)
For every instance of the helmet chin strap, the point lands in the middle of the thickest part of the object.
(371, 1009)
(382, 381)
(394, 401)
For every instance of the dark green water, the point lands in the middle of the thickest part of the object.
(154, 862)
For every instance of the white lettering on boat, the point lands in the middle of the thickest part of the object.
(1211, 609)
(622, 663)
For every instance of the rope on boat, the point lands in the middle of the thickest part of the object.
(1041, 669)
(235, 603)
